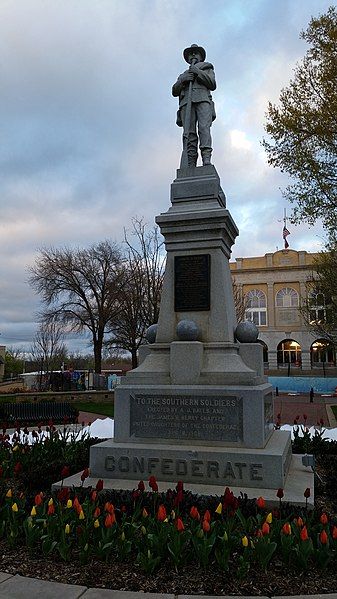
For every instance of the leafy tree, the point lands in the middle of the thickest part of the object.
(320, 307)
(140, 298)
(303, 127)
(14, 362)
(80, 289)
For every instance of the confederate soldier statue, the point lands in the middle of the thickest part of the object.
(194, 88)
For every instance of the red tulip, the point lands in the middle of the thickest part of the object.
(307, 493)
(17, 468)
(93, 496)
(38, 499)
(141, 486)
(304, 534)
(323, 537)
(153, 484)
(324, 519)
(334, 532)
(51, 510)
(109, 507)
(180, 486)
(99, 485)
(265, 529)
(84, 474)
(97, 512)
(65, 472)
(280, 493)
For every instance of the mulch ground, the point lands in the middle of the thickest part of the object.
(125, 576)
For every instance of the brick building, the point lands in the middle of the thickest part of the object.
(273, 286)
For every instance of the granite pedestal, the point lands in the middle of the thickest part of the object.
(199, 410)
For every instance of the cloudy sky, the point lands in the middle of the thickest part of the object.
(87, 123)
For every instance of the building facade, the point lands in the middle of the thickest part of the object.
(273, 287)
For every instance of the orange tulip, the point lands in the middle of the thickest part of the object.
(304, 534)
(97, 512)
(161, 514)
(265, 529)
(179, 525)
(299, 522)
(51, 510)
(260, 502)
(109, 507)
(145, 513)
(207, 516)
(109, 520)
(206, 527)
(323, 537)
(286, 528)
(194, 513)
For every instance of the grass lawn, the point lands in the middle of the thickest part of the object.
(103, 408)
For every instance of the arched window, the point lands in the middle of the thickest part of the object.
(287, 298)
(317, 307)
(289, 352)
(322, 351)
(256, 307)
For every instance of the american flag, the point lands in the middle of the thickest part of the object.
(285, 235)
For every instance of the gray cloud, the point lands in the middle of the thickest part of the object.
(87, 122)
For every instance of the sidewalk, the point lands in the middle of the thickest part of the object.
(291, 406)
(20, 587)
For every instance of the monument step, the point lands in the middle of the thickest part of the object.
(299, 478)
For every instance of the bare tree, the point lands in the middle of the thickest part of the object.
(48, 347)
(80, 289)
(240, 302)
(140, 297)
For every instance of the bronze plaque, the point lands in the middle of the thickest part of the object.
(208, 418)
(192, 283)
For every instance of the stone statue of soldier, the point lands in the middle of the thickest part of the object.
(193, 87)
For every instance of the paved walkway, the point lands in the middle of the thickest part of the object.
(291, 406)
(20, 587)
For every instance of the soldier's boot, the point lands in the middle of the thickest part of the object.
(206, 157)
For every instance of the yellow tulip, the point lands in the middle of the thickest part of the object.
(69, 504)
(225, 536)
(219, 509)
(15, 448)
(51, 501)
(96, 523)
(143, 529)
(81, 515)
(244, 541)
(67, 529)
(269, 518)
(123, 536)
(15, 507)
(33, 512)
(9, 494)
(173, 515)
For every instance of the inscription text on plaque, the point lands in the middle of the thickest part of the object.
(211, 418)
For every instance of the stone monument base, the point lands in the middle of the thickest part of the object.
(299, 478)
(199, 464)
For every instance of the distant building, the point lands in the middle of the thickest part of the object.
(273, 286)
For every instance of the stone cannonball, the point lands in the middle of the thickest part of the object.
(151, 333)
(188, 330)
(247, 332)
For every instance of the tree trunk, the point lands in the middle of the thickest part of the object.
(134, 358)
(98, 344)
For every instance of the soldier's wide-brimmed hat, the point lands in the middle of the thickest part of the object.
(194, 48)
